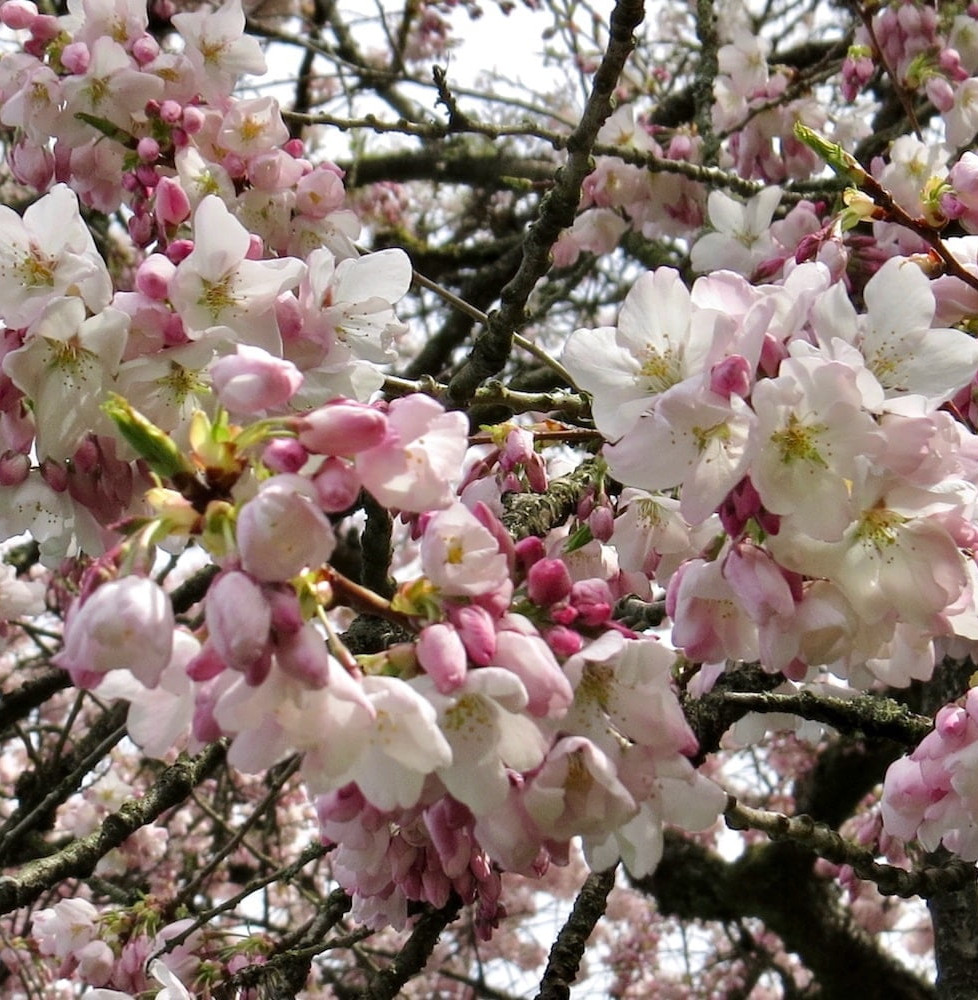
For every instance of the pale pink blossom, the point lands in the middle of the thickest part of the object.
(812, 435)
(692, 438)
(281, 530)
(45, 254)
(218, 288)
(218, 48)
(125, 624)
(741, 240)
(252, 380)
(66, 368)
(576, 792)
(484, 722)
(403, 746)
(709, 624)
(460, 556)
(421, 456)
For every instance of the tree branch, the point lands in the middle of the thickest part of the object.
(412, 957)
(79, 858)
(568, 949)
(557, 210)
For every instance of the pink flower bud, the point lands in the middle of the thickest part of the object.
(563, 641)
(731, 376)
(179, 250)
(145, 49)
(148, 176)
(602, 523)
(343, 428)
(148, 149)
(548, 582)
(55, 475)
(441, 652)
(529, 550)
(285, 455)
(153, 277)
(593, 601)
(75, 57)
(193, 120)
(238, 619)
(337, 484)
(141, 229)
(172, 203)
(14, 468)
(477, 630)
(171, 112)
(281, 530)
(253, 380)
(207, 664)
(18, 14)
(303, 656)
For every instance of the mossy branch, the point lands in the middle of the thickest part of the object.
(79, 858)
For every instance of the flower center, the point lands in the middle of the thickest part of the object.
(797, 442)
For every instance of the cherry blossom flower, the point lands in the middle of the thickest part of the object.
(403, 746)
(692, 437)
(813, 434)
(896, 336)
(282, 530)
(217, 289)
(420, 456)
(460, 556)
(126, 624)
(656, 344)
(45, 254)
(488, 733)
(66, 368)
(252, 380)
(742, 239)
(218, 48)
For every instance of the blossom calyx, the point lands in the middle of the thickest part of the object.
(154, 445)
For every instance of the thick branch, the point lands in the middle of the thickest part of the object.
(557, 211)
(536, 513)
(568, 949)
(870, 715)
(693, 882)
(950, 876)
(79, 858)
(411, 959)
(954, 915)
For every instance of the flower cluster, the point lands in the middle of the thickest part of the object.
(811, 438)
(930, 796)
